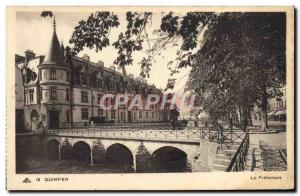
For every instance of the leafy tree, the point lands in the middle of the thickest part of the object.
(241, 63)
(237, 59)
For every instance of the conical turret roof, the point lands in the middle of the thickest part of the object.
(54, 55)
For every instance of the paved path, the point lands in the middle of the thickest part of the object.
(267, 152)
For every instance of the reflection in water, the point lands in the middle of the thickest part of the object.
(169, 159)
(77, 158)
(119, 156)
(81, 152)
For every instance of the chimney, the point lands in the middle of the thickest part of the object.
(112, 67)
(138, 78)
(100, 63)
(29, 54)
(86, 57)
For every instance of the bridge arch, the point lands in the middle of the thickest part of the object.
(120, 157)
(169, 159)
(53, 149)
(81, 152)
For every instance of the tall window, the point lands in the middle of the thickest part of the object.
(113, 84)
(113, 114)
(68, 76)
(84, 79)
(147, 115)
(140, 115)
(68, 116)
(99, 81)
(100, 112)
(41, 94)
(84, 113)
(84, 97)
(53, 93)
(67, 94)
(99, 96)
(122, 116)
(83, 76)
(31, 92)
(52, 74)
(152, 114)
(112, 101)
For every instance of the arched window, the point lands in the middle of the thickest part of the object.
(34, 115)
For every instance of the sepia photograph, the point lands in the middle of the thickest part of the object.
(120, 93)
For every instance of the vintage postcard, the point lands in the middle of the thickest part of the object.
(150, 98)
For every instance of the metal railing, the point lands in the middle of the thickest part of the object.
(157, 132)
(240, 157)
(187, 135)
(224, 136)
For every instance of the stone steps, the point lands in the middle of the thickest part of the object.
(224, 162)
(218, 167)
(227, 151)
(223, 156)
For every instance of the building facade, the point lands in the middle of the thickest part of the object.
(277, 107)
(61, 94)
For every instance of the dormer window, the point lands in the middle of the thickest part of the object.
(68, 76)
(83, 76)
(52, 74)
(84, 79)
(33, 76)
(112, 84)
(31, 93)
(99, 81)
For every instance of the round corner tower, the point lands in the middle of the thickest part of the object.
(54, 83)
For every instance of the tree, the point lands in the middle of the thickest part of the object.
(237, 59)
(241, 63)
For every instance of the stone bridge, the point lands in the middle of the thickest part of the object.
(142, 150)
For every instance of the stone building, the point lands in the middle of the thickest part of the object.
(61, 94)
(277, 107)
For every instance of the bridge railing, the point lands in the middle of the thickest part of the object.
(240, 157)
(223, 136)
(125, 132)
(111, 126)
(189, 135)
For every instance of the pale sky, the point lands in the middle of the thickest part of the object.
(34, 33)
